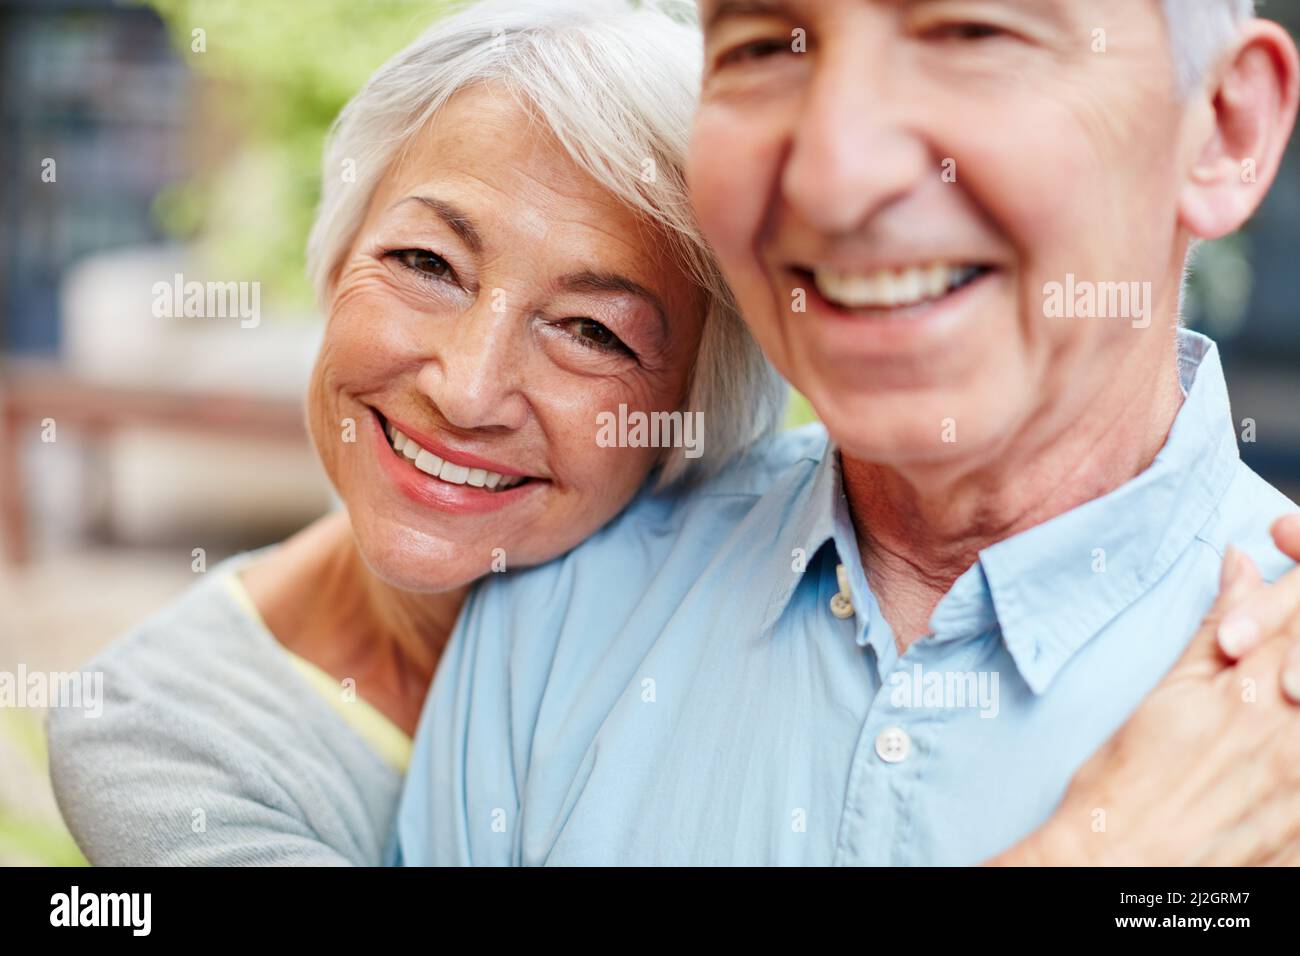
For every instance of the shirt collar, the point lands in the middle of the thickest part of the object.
(1052, 588)
(1057, 585)
(818, 513)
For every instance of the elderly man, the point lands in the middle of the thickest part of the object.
(960, 229)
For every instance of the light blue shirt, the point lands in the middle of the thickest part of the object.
(678, 690)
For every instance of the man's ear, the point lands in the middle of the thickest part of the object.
(1254, 93)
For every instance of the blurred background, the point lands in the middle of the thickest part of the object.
(139, 141)
(146, 140)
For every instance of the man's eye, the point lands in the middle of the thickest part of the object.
(966, 31)
(591, 334)
(424, 262)
(755, 50)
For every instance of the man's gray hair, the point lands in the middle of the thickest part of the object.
(616, 82)
(1198, 32)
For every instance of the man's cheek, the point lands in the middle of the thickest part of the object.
(734, 163)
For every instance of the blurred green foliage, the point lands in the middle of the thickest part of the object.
(24, 839)
(798, 411)
(273, 76)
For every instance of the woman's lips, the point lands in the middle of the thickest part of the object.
(445, 469)
(453, 496)
(460, 458)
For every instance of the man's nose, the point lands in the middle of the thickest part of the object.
(473, 374)
(851, 152)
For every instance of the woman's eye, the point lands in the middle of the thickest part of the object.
(591, 334)
(755, 50)
(423, 262)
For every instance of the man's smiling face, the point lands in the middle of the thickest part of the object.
(891, 184)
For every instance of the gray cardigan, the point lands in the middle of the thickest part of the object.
(213, 750)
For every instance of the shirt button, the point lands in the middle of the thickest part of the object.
(893, 744)
(842, 603)
(842, 606)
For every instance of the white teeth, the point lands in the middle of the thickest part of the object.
(936, 280)
(910, 286)
(888, 288)
(428, 462)
(433, 465)
(456, 474)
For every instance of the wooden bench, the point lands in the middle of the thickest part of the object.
(33, 390)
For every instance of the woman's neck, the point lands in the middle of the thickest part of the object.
(322, 602)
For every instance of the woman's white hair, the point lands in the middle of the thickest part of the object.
(1198, 32)
(616, 82)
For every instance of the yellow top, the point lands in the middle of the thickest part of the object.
(387, 739)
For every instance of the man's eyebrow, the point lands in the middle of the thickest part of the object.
(453, 216)
(1046, 10)
(588, 281)
(725, 9)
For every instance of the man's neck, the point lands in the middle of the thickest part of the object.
(921, 529)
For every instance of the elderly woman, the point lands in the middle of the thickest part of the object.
(504, 250)
(504, 246)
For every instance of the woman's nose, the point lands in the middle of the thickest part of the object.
(474, 372)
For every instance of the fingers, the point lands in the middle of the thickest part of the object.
(1286, 535)
(1267, 613)
(1238, 579)
(1291, 674)
(1242, 631)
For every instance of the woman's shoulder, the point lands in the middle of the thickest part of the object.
(201, 648)
(206, 738)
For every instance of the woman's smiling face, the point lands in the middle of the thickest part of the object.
(494, 301)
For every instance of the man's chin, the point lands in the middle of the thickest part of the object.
(905, 435)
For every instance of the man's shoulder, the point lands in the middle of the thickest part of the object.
(1243, 518)
(638, 569)
(676, 527)
(766, 463)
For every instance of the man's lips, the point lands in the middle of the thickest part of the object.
(891, 291)
(924, 334)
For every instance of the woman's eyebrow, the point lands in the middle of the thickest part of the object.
(588, 281)
(453, 216)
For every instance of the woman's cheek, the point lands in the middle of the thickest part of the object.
(571, 417)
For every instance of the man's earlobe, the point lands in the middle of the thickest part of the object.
(1254, 106)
